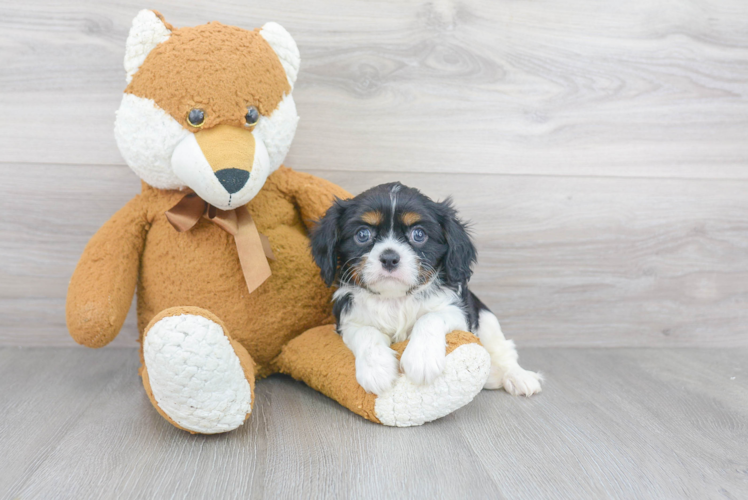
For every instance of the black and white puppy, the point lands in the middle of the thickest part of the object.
(402, 264)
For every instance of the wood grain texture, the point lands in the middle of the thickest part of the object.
(601, 152)
(567, 261)
(623, 423)
(645, 88)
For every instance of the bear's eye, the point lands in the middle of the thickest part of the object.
(196, 117)
(252, 116)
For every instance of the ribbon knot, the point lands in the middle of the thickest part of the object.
(253, 248)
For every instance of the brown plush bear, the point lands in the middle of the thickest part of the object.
(217, 244)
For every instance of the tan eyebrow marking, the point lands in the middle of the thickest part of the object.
(410, 218)
(373, 218)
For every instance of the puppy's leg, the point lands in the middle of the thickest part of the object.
(424, 358)
(505, 370)
(376, 363)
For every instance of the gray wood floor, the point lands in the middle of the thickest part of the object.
(611, 423)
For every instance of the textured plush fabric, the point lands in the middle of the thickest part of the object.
(466, 368)
(103, 283)
(285, 47)
(321, 360)
(180, 74)
(201, 268)
(148, 30)
(146, 137)
(205, 338)
(222, 70)
(197, 375)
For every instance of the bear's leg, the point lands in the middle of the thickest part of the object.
(196, 375)
(319, 358)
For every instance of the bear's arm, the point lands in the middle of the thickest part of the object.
(103, 283)
(311, 194)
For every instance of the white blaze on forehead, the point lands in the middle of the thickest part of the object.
(147, 136)
(393, 198)
(146, 33)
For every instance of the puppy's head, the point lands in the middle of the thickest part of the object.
(392, 239)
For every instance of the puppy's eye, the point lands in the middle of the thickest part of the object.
(418, 235)
(363, 235)
(252, 116)
(196, 117)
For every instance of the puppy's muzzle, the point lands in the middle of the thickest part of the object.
(389, 259)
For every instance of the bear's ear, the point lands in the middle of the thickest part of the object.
(285, 48)
(148, 30)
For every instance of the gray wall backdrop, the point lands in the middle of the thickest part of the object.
(600, 148)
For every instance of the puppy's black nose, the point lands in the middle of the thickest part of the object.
(389, 259)
(233, 179)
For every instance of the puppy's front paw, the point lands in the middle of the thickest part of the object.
(424, 359)
(376, 369)
(520, 382)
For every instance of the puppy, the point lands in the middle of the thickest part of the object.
(402, 264)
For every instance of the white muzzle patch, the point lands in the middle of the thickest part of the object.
(398, 281)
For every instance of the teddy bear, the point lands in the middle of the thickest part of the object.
(217, 245)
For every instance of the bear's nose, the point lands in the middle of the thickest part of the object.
(389, 259)
(233, 179)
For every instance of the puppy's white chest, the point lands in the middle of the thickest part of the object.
(394, 317)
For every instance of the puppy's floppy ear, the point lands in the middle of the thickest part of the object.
(461, 253)
(324, 242)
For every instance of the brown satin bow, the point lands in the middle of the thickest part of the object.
(252, 247)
